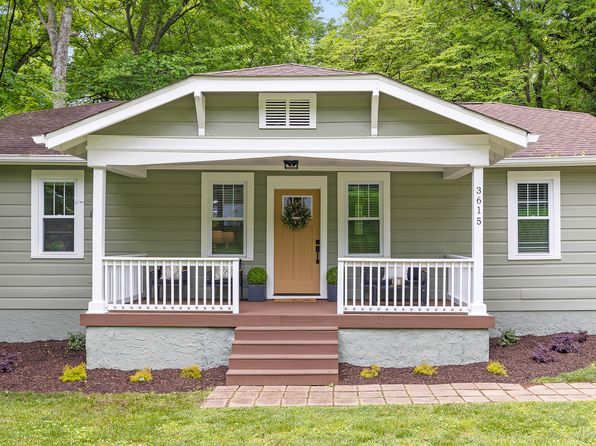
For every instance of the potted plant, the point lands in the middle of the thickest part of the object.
(257, 278)
(332, 284)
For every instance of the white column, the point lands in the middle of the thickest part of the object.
(477, 306)
(97, 304)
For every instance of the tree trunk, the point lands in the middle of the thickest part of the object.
(59, 36)
(538, 84)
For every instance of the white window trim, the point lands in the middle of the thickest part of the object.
(312, 97)
(208, 179)
(554, 179)
(383, 179)
(38, 177)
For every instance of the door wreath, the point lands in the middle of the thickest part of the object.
(295, 215)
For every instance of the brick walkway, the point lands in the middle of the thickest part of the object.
(248, 396)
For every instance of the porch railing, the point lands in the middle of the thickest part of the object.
(404, 285)
(171, 284)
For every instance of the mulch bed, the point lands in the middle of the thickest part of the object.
(40, 364)
(517, 358)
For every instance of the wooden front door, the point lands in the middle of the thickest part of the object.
(297, 263)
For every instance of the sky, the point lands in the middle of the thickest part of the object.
(331, 9)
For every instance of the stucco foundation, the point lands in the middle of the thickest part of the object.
(544, 322)
(129, 348)
(409, 347)
(38, 325)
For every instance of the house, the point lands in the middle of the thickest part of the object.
(140, 221)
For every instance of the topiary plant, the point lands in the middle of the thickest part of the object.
(508, 337)
(76, 341)
(76, 373)
(332, 276)
(425, 369)
(142, 376)
(257, 276)
(192, 372)
(496, 368)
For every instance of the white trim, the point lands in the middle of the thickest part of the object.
(287, 97)
(208, 179)
(42, 159)
(200, 105)
(554, 195)
(38, 177)
(97, 303)
(295, 182)
(477, 306)
(551, 161)
(383, 179)
(369, 82)
(374, 113)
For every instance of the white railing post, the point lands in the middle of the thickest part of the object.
(477, 306)
(340, 287)
(235, 287)
(97, 304)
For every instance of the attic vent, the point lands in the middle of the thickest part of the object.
(282, 111)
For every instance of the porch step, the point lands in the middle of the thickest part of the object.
(284, 355)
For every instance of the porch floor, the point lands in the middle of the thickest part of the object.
(271, 313)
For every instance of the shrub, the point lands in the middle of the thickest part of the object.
(76, 341)
(257, 276)
(76, 373)
(508, 337)
(371, 372)
(376, 368)
(425, 369)
(563, 344)
(496, 368)
(8, 361)
(542, 354)
(192, 372)
(142, 376)
(332, 276)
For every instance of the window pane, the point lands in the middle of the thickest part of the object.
(363, 200)
(227, 237)
(48, 198)
(532, 235)
(58, 234)
(228, 201)
(364, 237)
(58, 198)
(69, 198)
(532, 200)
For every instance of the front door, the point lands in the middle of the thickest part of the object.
(297, 268)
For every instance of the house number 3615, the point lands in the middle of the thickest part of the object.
(478, 193)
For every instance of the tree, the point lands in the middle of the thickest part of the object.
(59, 30)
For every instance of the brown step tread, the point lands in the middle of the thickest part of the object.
(283, 356)
(287, 328)
(288, 372)
(285, 342)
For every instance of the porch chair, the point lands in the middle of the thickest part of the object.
(413, 277)
(221, 280)
(169, 276)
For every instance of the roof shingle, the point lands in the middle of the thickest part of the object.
(562, 133)
(17, 131)
(287, 69)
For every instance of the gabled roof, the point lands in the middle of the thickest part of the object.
(562, 133)
(17, 131)
(286, 69)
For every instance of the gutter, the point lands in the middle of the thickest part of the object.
(548, 161)
(41, 160)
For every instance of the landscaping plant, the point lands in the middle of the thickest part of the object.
(142, 376)
(7, 362)
(496, 368)
(257, 276)
(332, 276)
(76, 341)
(425, 369)
(371, 372)
(542, 354)
(76, 373)
(192, 372)
(508, 337)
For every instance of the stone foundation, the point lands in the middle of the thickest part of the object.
(542, 323)
(131, 348)
(38, 325)
(409, 347)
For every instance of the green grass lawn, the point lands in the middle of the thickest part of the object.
(176, 419)
(585, 375)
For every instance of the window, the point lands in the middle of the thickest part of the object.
(227, 212)
(282, 111)
(364, 214)
(57, 214)
(534, 215)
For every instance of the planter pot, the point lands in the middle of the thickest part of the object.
(257, 293)
(331, 293)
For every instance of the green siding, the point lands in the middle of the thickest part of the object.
(160, 215)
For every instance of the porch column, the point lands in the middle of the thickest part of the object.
(477, 306)
(97, 304)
